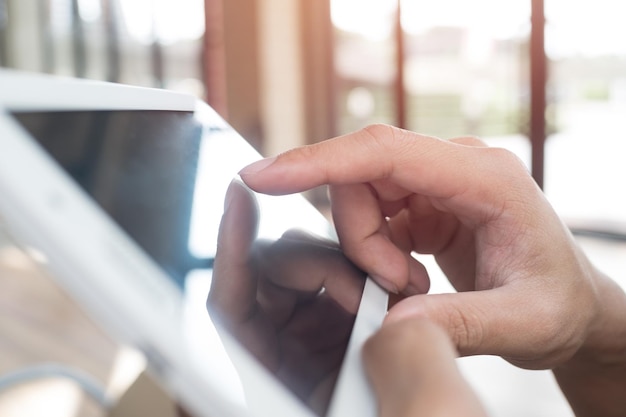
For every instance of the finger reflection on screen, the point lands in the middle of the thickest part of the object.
(291, 302)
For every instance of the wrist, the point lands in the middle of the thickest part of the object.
(594, 378)
(605, 343)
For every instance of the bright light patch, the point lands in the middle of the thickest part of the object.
(372, 19)
(163, 20)
(89, 10)
(586, 29)
(499, 19)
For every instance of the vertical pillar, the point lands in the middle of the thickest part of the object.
(399, 81)
(78, 42)
(4, 22)
(538, 80)
(113, 53)
(241, 47)
(48, 60)
(318, 66)
(214, 57)
(22, 38)
(281, 70)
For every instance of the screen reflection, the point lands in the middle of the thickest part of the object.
(275, 278)
(291, 301)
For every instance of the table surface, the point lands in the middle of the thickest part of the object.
(39, 323)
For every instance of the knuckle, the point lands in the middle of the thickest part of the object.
(470, 141)
(385, 136)
(466, 330)
(380, 131)
(506, 159)
(398, 145)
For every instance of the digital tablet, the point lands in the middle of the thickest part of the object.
(243, 304)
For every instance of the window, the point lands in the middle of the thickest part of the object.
(455, 67)
(585, 169)
(154, 43)
(364, 62)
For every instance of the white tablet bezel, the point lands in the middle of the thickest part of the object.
(43, 208)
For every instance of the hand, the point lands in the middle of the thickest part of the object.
(290, 302)
(411, 365)
(526, 292)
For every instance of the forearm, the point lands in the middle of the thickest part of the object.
(594, 380)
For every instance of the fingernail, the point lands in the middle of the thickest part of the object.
(386, 284)
(257, 166)
(412, 289)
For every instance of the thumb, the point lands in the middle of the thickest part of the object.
(411, 365)
(478, 322)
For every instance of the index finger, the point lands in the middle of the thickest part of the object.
(468, 177)
(477, 185)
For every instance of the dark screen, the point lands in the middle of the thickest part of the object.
(290, 300)
(140, 166)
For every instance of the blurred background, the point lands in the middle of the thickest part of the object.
(543, 78)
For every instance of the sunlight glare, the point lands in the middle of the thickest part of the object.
(90, 10)
(372, 19)
(588, 29)
(572, 27)
(496, 18)
(167, 21)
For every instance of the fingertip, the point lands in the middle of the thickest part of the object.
(419, 280)
(413, 371)
(385, 283)
(393, 316)
(412, 307)
(268, 177)
(370, 348)
(257, 167)
(469, 318)
(400, 274)
(381, 259)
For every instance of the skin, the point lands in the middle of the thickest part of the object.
(399, 382)
(526, 292)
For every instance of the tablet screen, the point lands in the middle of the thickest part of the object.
(271, 271)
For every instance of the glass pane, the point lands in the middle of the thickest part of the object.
(161, 43)
(364, 61)
(585, 171)
(466, 70)
(153, 43)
